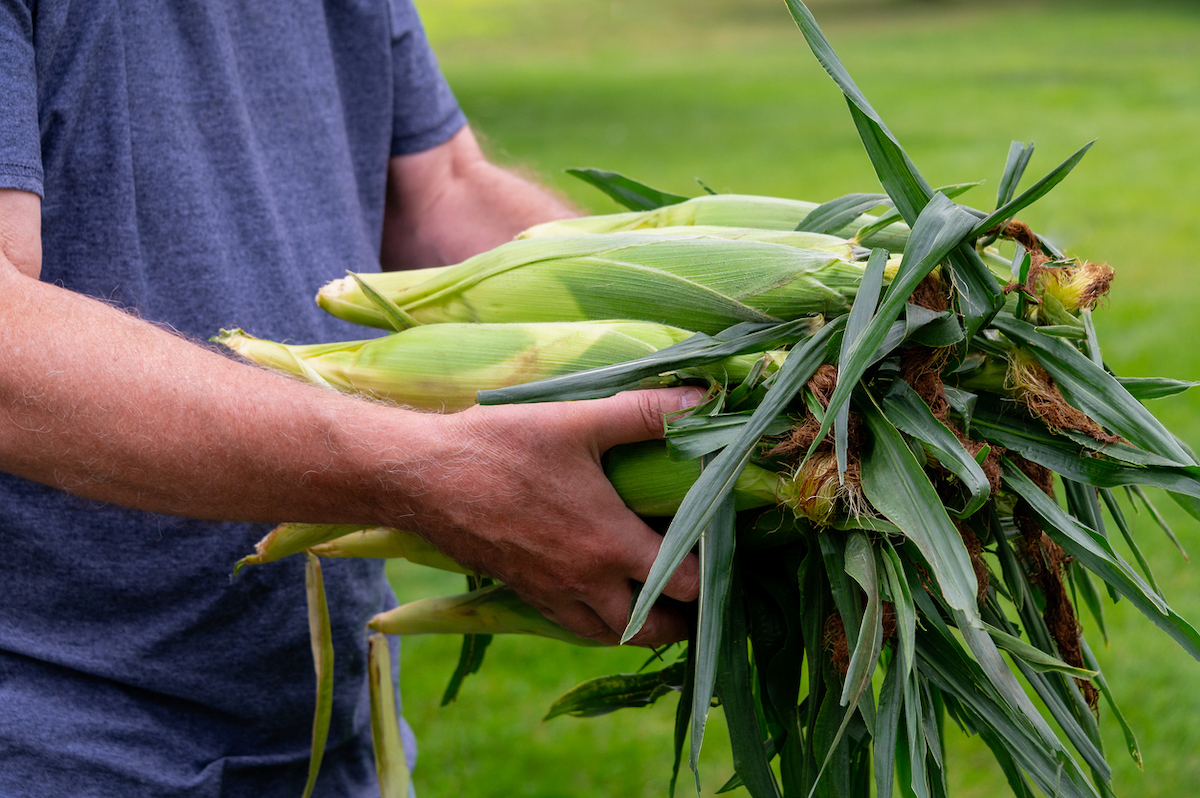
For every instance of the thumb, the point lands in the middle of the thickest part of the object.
(635, 416)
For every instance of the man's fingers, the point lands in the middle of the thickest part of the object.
(684, 584)
(635, 416)
(583, 621)
(663, 625)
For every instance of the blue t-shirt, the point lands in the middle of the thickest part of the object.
(204, 164)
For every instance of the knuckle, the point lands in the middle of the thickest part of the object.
(649, 413)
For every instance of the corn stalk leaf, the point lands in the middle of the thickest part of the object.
(1033, 441)
(1034, 657)
(683, 716)
(694, 436)
(1019, 154)
(887, 726)
(1032, 194)
(832, 216)
(1098, 556)
(977, 293)
(606, 694)
(860, 316)
(736, 691)
(709, 491)
(936, 233)
(1154, 387)
(321, 636)
(898, 487)
(391, 765)
(716, 564)
(626, 191)
(1131, 743)
(905, 409)
(1094, 391)
(944, 663)
(697, 350)
(1114, 509)
(1057, 694)
(860, 564)
(470, 659)
(900, 594)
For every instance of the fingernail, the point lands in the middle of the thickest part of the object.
(690, 398)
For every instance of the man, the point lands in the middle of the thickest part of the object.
(174, 168)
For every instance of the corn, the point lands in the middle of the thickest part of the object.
(653, 485)
(488, 611)
(698, 283)
(442, 367)
(723, 210)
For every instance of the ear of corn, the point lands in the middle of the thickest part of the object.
(723, 210)
(653, 485)
(697, 283)
(487, 611)
(443, 367)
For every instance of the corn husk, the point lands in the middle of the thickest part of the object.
(487, 611)
(697, 283)
(442, 367)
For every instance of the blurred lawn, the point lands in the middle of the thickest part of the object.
(669, 91)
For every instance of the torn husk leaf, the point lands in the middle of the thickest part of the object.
(391, 764)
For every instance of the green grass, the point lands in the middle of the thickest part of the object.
(669, 91)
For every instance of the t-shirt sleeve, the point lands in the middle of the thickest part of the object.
(20, 141)
(426, 111)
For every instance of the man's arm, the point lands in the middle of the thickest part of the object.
(449, 202)
(109, 407)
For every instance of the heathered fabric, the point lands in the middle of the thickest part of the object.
(204, 164)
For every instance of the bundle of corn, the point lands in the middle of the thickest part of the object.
(872, 483)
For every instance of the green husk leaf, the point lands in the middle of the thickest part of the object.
(288, 539)
(491, 610)
(628, 192)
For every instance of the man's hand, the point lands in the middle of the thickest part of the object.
(518, 492)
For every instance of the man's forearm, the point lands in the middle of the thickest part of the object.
(449, 203)
(107, 406)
